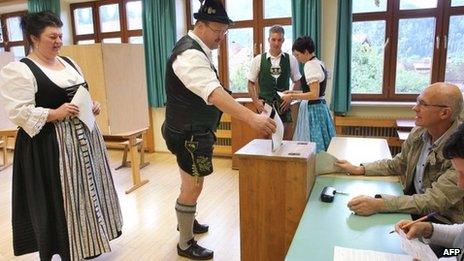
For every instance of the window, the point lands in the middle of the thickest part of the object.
(12, 38)
(108, 21)
(247, 37)
(401, 46)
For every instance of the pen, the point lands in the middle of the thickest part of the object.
(417, 220)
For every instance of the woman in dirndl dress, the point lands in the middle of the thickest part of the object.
(314, 121)
(64, 200)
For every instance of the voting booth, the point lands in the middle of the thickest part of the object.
(7, 128)
(274, 188)
(116, 77)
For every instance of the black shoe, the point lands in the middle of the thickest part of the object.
(195, 251)
(92, 257)
(198, 228)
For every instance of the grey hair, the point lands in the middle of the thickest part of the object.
(276, 29)
(455, 101)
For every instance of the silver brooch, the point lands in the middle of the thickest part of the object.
(211, 10)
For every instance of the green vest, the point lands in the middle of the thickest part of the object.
(267, 84)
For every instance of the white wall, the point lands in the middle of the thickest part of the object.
(329, 25)
(10, 6)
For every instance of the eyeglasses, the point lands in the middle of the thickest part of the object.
(218, 31)
(421, 103)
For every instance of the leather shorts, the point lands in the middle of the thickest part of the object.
(193, 149)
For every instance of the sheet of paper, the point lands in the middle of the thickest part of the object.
(277, 136)
(416, 249)
(325, 163)
(351, 254)
(267, 110)
(83, 100)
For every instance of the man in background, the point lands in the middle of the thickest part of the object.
(270, 73)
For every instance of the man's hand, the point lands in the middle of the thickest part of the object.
(350, 168)
(259, 104)
(420, 229)
(365, 205)
(96, 108)
(262, 123)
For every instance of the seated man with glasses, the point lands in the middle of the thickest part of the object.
(428, 178)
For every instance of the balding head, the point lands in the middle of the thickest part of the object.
(446, 94)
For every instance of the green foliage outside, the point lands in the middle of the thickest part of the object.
(238, 79)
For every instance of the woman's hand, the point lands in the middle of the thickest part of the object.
(259, 104)
(96, 108)
(286, 100)
(65, 110)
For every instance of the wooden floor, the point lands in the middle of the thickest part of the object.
(149, 231)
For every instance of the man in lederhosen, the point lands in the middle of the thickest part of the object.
(271, 72)
(195, 99)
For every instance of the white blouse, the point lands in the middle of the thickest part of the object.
(313, 71)
(194, 70)
(18, 87)
(255, 68)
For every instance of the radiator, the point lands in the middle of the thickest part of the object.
(223, 145)
(369, 131)
(371, 128)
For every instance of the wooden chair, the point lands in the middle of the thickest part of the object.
(4, 135)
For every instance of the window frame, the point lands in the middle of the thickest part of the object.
(257, 23)
(6, 44)
(98, 35)
(442, 13)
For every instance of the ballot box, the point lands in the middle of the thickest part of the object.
(274, 188)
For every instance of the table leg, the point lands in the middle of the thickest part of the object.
(135, 165)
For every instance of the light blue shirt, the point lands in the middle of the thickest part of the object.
(422, 161)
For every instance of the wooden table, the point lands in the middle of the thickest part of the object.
(406, 123)
(404, 128)
(132, 136)
(274, 188)
(242, 133)
(4, 135)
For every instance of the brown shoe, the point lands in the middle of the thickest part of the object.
(195, 251)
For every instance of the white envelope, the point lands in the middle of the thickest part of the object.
(277, 136)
